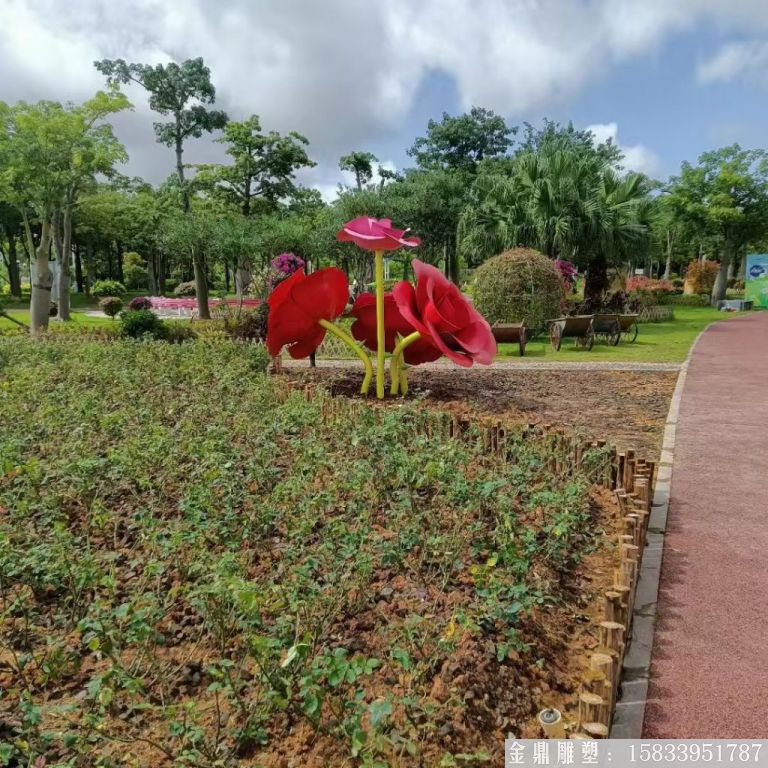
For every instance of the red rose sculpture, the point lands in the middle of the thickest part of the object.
(440, 313)
(375, 235)
(299, 304)
(364, 329)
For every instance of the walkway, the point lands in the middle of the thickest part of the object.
(709, 674)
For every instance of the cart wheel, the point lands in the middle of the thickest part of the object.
(555, 339)
(631, 332)
(615, 334)
(589, 340)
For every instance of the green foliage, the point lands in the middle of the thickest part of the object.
(262, 170)
(136, 278)
(461, 142)
(250, 325)
(182, 537)
(111, 305)
(258, 358)
(361, 164)
(520, 284)
(103, 288)
(136, 323)
(171, 87)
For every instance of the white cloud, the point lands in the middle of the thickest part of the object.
(734, 60)
(342, 72)
(637, 157)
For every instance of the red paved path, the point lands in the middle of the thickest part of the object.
(709, 675)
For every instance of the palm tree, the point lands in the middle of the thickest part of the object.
(566, 203)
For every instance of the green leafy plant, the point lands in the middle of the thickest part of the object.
(520, 284)
(102, 288)
(111, 305)
(136, 323)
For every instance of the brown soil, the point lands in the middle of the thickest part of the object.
(626, 408)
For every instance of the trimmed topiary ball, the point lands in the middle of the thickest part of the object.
(519, 284)
(111, 305)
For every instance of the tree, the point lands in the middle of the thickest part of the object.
(564, 196)
(361, 164)
(47, 151)
(430, 203)
(171, 88)
(724, 198)
(462, 142)
(93, 150)
(10, 231)
(263, 167)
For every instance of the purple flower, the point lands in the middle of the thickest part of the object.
(568, 271)
(287, 263)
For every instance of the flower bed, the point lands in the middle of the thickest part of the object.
(196, 560)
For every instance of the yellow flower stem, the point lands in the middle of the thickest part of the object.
(380, 332)
(350, 342)
(396, 369)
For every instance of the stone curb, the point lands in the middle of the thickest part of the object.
(629, 715)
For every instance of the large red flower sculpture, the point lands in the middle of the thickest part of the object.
(437, 309)
(298, 304)
(364, 329)
(375, 235)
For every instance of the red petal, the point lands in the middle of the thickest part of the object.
(323, 294)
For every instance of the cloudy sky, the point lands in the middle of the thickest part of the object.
(666, 79)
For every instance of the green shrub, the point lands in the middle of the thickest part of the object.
(690, 300)
(185, 289)
(520, 284)
(111, 305)
(258, 358)
(136, 277)
(141, 322)
(177, 332)
(102, 288)
(250, 324)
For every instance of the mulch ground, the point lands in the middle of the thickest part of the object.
(626, 408)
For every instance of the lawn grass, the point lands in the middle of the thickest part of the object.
(667, 342)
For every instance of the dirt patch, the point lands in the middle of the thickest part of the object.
(626, 408)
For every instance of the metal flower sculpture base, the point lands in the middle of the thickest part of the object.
(414, 324)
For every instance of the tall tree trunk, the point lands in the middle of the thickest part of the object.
(597, 279)
(64, 248)
(242, 275)
(201, 286)
(119, 256)
(90, 268)
(42, 280)
(78, 269)
(721, 281)
(152, 273)
(668, 263)
(14, 275)
(732, 267)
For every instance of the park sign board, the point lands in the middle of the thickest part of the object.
(756, 283)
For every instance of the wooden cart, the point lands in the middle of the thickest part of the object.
(629, 327)
(578, 327)
(511, 333)
(607, 327)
